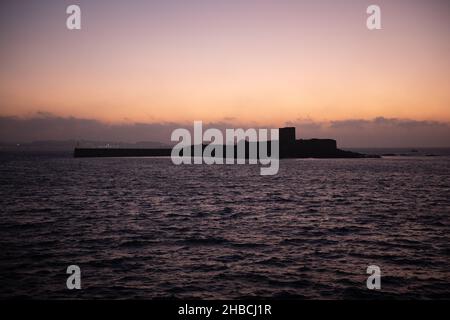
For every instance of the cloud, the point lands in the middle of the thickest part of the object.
(377, 132)
(45, 126)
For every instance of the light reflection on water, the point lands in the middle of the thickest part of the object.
(143, 228)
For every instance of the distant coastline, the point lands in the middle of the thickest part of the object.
(68, 146)
(289, 146)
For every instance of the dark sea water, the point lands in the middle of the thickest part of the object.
(144, 228)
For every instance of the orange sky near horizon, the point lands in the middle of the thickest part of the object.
(252, 62)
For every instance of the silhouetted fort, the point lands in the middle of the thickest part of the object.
(290, 147)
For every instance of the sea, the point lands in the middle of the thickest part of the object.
(143, 228)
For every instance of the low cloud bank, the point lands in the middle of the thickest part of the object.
(378, 132)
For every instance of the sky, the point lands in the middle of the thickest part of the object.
(240, 62)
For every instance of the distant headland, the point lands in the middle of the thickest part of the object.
(289, 147)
